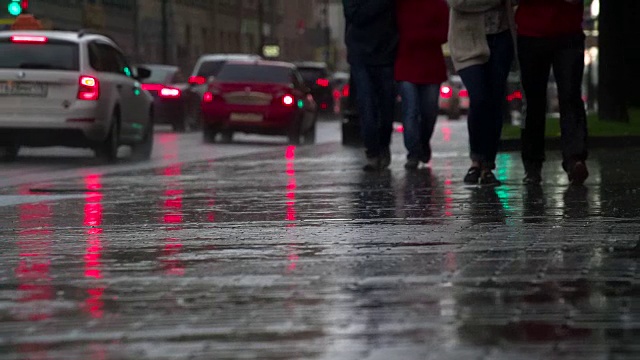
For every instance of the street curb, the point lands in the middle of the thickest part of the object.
(593, 142)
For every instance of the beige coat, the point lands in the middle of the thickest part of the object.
(467, 36)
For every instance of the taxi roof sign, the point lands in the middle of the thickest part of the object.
(26, 22)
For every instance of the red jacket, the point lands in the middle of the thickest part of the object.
(423, 27)
(548, 18)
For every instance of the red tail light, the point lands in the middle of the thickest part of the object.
(170, 93)
(446, 92)
(516, 95)
(287, 100)
(463, 93)
(152, 87)
(207, 97)
(29, 39)
(197, 80)
(88, 88)
(322, 82)
(345, 90)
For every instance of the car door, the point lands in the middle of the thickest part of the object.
(139, 101)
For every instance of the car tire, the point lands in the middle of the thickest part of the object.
(9, 153)
(227, 136)
(108, 150)
(209, 134)
(294, 133)
(310, 134)
(142, 151)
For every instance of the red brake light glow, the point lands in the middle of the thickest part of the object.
(322, 82)
(152, 87)
(207, 97)
(29, 39)
(287, 100)
(89, 88)
(197, 80)
(516, 95)
(345, 90)
(170, 93)
(446, 92)
(463, 93)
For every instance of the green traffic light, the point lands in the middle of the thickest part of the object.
(14, 8)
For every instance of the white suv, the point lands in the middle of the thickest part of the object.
(71, 89)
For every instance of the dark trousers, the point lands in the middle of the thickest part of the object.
(566, 56)
(486, 84)
(419, 115)
(375, 97)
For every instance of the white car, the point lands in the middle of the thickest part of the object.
(74, 89)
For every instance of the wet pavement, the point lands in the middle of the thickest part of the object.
(295, 253)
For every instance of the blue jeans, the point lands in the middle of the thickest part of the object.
(375, 93)
(419, 115)
(486, 84)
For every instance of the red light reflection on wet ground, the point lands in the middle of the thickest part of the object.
(292, 185)
(93, 215)
(33, 269)
(446, 133)
(173, 215)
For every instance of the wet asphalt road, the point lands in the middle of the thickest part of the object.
(295, 253)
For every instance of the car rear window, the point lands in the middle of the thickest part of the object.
(255, 73)
(210, 68)
(312, 74)
(50, 56)
(159, 75)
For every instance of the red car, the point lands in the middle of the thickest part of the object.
(259, 97)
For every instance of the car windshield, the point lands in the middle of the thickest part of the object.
(310, 75)
(50, 56)
(159, 75)
(255, 73)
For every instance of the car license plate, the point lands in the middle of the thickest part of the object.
(246, 117)
(15, 88)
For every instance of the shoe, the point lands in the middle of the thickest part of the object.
(373, 164)
(473, 176)
(385, 159)
(533, 174)
(412, 164)
(488, 179)
(578, 173)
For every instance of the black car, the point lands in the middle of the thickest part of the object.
(316, 77)
(171, 96)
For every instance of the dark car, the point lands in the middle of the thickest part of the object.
(171, 94)
(260, 97)
(316, 77)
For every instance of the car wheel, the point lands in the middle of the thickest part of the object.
(108, 149)
(180, 125)
(227, 136)
(294, 133)
(209, 134)
(310, 134)
(143, 150)
(9, 152)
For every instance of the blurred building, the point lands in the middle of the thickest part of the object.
(186, 28)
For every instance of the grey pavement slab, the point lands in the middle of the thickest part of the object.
(296, 253)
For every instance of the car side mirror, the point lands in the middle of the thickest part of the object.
(142, 73)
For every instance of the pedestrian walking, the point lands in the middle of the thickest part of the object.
(550, 35)
(372, 38)
(481, 40)
(420, 68)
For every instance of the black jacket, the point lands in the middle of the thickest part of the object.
(371, 34)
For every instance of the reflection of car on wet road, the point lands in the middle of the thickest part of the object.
(316, 78)
(171, 95)
(71, 89)
(454, 98)
(261, 97)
